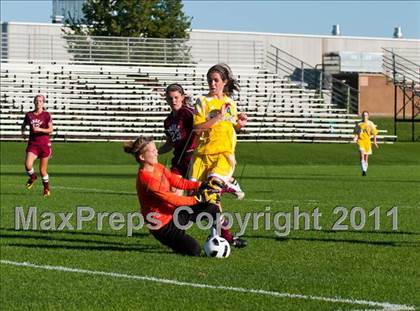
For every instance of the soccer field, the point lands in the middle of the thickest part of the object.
(373, 268)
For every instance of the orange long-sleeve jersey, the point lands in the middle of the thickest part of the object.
(155, 195)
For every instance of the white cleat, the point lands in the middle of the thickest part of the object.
(234, 188)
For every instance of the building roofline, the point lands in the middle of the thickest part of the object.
(303, 35)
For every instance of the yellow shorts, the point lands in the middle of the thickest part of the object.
(219, 165)
(365, 146)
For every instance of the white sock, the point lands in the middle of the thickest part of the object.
(30, 172)
(45, 178)
(362, 164)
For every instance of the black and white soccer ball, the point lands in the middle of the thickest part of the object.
(217, 246)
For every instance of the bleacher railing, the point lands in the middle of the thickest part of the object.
(402, 69)
(128, 50)
(308, 76)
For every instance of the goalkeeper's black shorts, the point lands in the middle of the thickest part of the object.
(177, 239)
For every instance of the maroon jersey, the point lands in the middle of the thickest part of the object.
(179, 129)
(41, 120)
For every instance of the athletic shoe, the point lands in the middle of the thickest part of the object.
(30, 182)
(363, 173)
(234, 188)
(238, 242)
(47, 193)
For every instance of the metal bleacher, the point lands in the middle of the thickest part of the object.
(109, 102)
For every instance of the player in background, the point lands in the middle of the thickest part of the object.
(363, 132)
(158, 202)
(179, 132)
(216, 122)
(39, 145)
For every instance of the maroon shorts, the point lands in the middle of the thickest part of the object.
(40, 150)
(181, 166)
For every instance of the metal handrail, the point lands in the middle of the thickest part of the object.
(311, 77)
(400, 68)
(406, 59)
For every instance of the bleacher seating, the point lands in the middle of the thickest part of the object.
(95, 102)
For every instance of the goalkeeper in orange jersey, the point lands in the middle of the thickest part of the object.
(363, 132)
(159, 203)
(216, 121)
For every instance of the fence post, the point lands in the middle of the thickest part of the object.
(218, 51)
(393, 67)
(302, 78)
(128, 49)
(164, 50)
(348, 99)
(90, 50)
(255, 61)
(320, 83)
(29, 46)
(52, 48)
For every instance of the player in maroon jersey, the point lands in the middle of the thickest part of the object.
(179, 130)
(39, 145)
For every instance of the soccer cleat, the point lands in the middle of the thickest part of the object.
(30, 182)
(46, 193)
(363, 173)
(234, 188)
(238, 242)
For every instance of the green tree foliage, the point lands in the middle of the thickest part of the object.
(132, 18)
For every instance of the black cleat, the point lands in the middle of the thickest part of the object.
(238, 242)
(363, 173)
(30, 182)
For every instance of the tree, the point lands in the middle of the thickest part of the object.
(132, 18)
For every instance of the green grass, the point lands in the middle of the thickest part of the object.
(404, 132)
(375, 265)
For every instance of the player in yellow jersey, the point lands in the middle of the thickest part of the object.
(363, 132)
(216, 121)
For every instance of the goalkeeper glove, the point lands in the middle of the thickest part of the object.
(208, 196)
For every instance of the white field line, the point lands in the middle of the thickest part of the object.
(383, 305)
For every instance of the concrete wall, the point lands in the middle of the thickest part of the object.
(310, 48)
(43, 41)
(376, 94)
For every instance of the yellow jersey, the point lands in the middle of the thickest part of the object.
(365, 130)
(221, 137)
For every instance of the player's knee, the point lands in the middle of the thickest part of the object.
(196, 250)
(193, 249)
(213, 210)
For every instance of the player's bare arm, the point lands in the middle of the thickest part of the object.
(209, 123)
(242, 121)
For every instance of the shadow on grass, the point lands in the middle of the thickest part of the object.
(76, 243)
(332, 178)
(122, 248)
(82, 233)
(79, 174)
(344, 240)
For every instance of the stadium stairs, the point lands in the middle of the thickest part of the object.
(112, 103)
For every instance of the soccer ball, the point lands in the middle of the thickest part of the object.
(217, 246)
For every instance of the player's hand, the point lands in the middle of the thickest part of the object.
(242, 119)
(36, 129)
(355, 139)
(222, 111)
